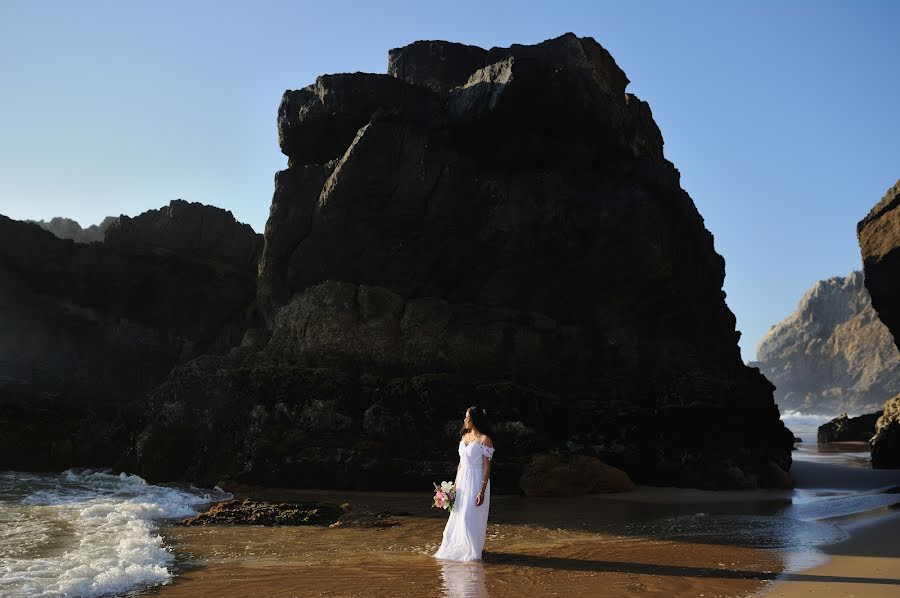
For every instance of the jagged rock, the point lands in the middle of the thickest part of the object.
(848, 429)
(513, 237)
(548, 475)
(879, 242)
(190, 230)
(886, 441)
(832, 354)
(87, 329)
(251, 512)
(66, 228)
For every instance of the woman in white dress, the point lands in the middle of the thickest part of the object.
(467, 523)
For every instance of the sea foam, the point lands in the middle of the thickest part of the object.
(87, 533)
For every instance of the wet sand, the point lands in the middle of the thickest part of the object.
(866, 565)
(650, 541)
(534, 547)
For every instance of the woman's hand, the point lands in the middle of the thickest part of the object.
(479, 498)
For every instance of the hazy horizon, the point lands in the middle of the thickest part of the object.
(780, 118)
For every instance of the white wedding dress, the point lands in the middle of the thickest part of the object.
(467, 524)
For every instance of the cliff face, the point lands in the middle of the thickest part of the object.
(833, 354)
(66, 228)
(87, 329)
(879, 242)
(477, 226)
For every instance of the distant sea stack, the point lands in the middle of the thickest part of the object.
(66, 228)
(833, 354)
(879, 242)
(87, 329)
(492, 227)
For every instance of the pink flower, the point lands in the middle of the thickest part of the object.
(439, 501)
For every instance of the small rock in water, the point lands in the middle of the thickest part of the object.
(250, 512)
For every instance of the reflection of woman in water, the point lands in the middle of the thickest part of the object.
(467, 524)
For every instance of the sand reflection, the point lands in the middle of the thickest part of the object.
(463, 580)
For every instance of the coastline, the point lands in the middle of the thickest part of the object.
(833, 534)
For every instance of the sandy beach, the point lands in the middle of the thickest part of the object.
(867, 564)
(833, 535)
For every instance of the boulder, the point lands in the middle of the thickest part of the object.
(549, 475)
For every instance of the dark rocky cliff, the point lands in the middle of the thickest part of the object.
(833, 354)
(879, 242)
(87, 329)
(476, 226)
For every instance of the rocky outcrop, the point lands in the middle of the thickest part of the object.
(251, 512)
(832, 354)
(66, 228)
(87, 329)
(849, 429)
(886, 441)
(496, 227)
(879, 242)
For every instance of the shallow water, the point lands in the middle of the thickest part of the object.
(94, 534)
(851, 454)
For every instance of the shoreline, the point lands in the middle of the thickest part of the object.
(835, 528)
(866, 564)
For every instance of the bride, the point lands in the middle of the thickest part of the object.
(467, 524)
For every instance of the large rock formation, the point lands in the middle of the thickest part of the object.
(849, 429)
(477, 226)
(87, 329)
(66, 228)
(833, 354)
(879, 242)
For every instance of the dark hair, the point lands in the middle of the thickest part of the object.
(479, 421)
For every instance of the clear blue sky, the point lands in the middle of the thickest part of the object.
(783, 117)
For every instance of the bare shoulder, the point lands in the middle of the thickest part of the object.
(486, 441)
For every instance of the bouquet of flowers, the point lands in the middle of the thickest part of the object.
(444, 495)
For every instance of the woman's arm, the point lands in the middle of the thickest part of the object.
(486, 473)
